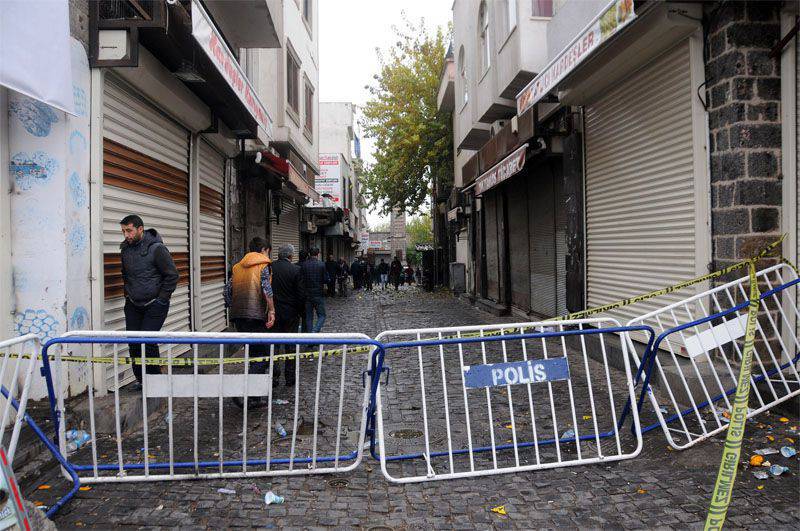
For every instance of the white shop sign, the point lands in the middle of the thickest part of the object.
(617, 15)
(209, 39)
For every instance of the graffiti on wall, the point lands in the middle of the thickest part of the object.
(36, 117)
(32, 168)
(38, 322)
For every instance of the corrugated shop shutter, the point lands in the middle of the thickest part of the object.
(489, 207)
(145, 172)
(288, 230)
(211, 171)
(640, 200)
(518, 243)
(542, 230)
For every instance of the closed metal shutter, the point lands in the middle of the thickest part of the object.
(640, 201)
(211, 170)
(145, 172)
(489, 206)
(543, 234)
(288, 230)
(518, 243)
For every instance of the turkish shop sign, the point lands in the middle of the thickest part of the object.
(508, 167)
(209, 39)
(617, 15)
(516, 372)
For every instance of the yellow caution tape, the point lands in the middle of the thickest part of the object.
(723, 489)
(188, 362)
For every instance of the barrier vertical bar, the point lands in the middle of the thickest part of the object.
(466, 403)
(245, 405)
(489, 406)
(195, 404)
(296, 402)
(611, 394)
(341, 405)
(571, 397)
(556, 434)
(145, 428)
(269, 404)
(446, 407)
(316, 406)
(220, 413)
(591, 390)
(510, 403)
(169, 413)
(424, 405)
(90, 395)
(116, 409)
(530, 401)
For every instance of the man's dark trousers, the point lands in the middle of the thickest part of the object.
(255, 326)
(286, 323)
(149, 318)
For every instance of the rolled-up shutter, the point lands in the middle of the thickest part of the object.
(211, 170)
(640, 189)
(288, 229)
(145, 172)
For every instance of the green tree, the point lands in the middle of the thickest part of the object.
(419, 230)
(413, 139)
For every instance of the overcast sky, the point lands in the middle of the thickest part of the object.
(349, 32)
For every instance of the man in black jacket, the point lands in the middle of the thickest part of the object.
(288, 291)
(314, 275)
(332, 267)
(149, 277)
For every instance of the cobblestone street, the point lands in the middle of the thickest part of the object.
(658, 488)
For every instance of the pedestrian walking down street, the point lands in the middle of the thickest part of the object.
(332, 268)
(383, 271)
(288, 291)
(355, 271)
(369, 272)
(304, 326)
(341, 277)
(395, 271)
(248, 295)
(314, 275)
(149, 278)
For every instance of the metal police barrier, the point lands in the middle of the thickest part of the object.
(16, 373)
(504, 398)
(313, 427)
(693, 362)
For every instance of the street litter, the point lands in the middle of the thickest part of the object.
(501, 510)
(76, 439)
(85, 488)
(784, 420)
(777, 470)
(663, 410)
(756, 460)
(788, 451)
(226, 491)
(280, 430)
(160, 507)
(760, 487)
(587, 417)
(766, 451)
(569, 434)
(760, 474)
(43, 487)
(270, 498)
(770, 438)
(641, 491)
(280, 401)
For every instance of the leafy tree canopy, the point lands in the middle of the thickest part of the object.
(419, 229)
(413, 139)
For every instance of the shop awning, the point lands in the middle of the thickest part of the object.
(35, 51)
(505, 169)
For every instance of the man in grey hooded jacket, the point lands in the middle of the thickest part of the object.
(150, 276)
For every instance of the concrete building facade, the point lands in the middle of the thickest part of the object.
(662, 150)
